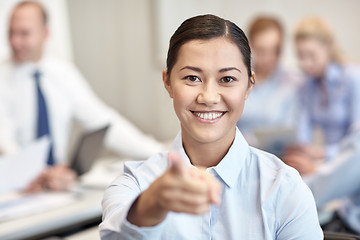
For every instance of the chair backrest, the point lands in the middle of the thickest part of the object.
(340, 236)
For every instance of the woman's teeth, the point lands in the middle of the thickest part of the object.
(208, 115)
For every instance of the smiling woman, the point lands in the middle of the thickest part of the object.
(216, 187)
(208, 79)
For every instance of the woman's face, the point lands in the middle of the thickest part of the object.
(209, 84)
(314, 56)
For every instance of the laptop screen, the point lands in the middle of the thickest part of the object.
(88, 150)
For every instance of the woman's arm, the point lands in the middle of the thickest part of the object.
(128, 212)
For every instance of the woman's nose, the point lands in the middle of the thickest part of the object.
(209, 94)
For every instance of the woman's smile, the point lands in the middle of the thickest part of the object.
(208, 116)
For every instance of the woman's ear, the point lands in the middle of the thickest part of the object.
(251, 84)
(167, 84)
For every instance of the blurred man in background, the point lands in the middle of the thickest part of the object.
(271, 103)
(42, 96)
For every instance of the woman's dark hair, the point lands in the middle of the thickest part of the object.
(206, 27)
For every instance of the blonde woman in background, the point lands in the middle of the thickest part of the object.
(329, 98)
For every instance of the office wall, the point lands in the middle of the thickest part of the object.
(113, 47)
(120, 45)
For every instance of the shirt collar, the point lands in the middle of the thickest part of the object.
(230, 166)
(29, 66)
(178, 146)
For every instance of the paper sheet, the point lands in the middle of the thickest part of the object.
(18, 170)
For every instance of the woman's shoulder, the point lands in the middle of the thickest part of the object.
(279, 183)
(266, 158)
(157, 161)
(271, 168)
(351, 79)
(352, 73)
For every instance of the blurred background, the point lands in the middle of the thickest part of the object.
(120, 46)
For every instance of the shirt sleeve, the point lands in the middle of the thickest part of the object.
(123, 137)
(296, 212)
(116, 203)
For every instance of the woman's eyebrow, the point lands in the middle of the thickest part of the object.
(229, 69)
(196, 69)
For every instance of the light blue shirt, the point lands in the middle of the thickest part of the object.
(262, 198)
(340, 179)
(335, 115)
(271, 103)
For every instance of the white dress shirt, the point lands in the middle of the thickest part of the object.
(262, 198)
(68, 97)
(340, 179)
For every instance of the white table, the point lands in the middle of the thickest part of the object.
(85, 210)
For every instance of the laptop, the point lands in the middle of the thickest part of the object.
(88, 150)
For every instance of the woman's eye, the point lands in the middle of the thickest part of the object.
(227, 79)
(192, 78)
